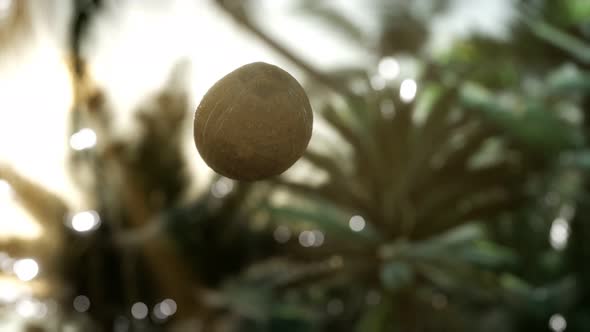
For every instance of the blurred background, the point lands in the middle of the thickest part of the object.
(445, 187)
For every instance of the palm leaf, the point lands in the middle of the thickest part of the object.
(46, 206)
(534, 127)
(327, 220)
(572, 45)
(568, 79)
(333, 18)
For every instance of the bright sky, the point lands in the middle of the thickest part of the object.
(137, 44)
(134, 50)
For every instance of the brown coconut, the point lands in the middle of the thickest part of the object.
(254, 123)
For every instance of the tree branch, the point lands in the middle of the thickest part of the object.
(236, 11)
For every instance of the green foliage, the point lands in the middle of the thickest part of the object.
(569, 80)
(494, 127)
(529, 122)
(454, 191)
(377, 318)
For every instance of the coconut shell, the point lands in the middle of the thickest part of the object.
(254, 123)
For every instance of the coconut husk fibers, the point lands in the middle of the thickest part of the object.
(254, 123)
